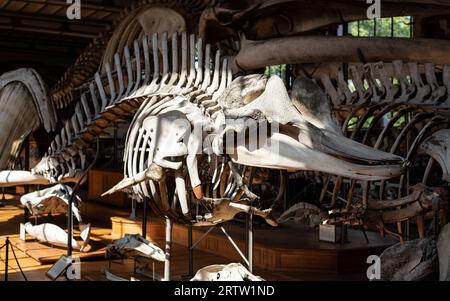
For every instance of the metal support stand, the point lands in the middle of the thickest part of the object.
(168, 249)
(250, 242)
(191, 252)
(70, 227)
(26, 215)
(344, 235)
(246, 234)
(144, 272)
(144, 219)
(405, 191)
(247, 257)
(365, 234)
(248, 261)
(6, 258)
(235, 245)
(133, 208)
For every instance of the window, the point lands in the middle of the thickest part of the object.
(399, 27)
(283, 71)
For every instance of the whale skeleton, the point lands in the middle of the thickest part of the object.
(111, 277)
(131, 245)
(53, 200)
(25, 105)
(55, 235)
(414, 260)
(158, 92)
(222, 272)
(185, 115)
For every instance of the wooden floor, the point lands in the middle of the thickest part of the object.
(11, 216)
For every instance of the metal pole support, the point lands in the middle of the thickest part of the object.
(70, 221)
(144, 219)
(6, 258)
(191, 252)
(133, 208)
(26, 215)
(70, 227)
(246, 234)
(168, 249)
(250, 242)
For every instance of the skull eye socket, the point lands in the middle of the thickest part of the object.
(243, 90)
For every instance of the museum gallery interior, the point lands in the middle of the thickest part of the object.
(215, 140)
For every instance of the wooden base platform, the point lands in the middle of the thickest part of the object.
(281, 249)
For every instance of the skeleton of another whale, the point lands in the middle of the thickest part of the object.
(134, 245)
(54, 200)
(222, 272)
(55, 235)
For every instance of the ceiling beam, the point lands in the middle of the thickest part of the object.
(106, 7)
(49, 31)
(36, 54)
(17, 18)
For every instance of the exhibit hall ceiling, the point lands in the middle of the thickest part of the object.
(38, 33)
